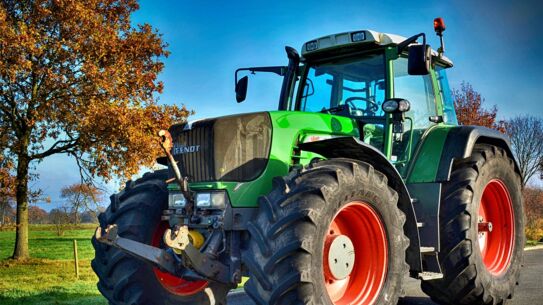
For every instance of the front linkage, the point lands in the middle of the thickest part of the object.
(182, 259)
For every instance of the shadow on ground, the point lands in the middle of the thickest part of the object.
(415, 301)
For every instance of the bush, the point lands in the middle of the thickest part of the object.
(533, 209)
(535, 231)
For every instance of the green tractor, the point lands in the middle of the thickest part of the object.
(360, 177)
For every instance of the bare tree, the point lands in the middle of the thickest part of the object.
(7, 213)
(60, 218)
(526, 134)
(81, 197)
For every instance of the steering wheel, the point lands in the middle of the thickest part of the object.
(372, 106)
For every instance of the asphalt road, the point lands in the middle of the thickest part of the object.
(529, 291)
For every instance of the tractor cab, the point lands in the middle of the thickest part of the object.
(393, 87)
(375, 83)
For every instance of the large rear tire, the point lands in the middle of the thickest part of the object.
(332, 234)
(126, 280)
(482, 231)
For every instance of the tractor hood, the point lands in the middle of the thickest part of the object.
(230, 148)
(243, 153)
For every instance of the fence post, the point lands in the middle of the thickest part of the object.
(76, 260)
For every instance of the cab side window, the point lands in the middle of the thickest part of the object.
(417, 89)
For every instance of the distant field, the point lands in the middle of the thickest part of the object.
(49, 277)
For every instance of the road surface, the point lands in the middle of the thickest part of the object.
(529, 291)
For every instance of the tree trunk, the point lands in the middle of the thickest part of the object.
(76, 216)
(21, 235)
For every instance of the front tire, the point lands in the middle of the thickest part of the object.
(124, 279)
(482, 231)
(303, 238)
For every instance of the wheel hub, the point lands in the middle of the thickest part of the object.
(485, 227)
(356, 238)
(340, 252)
(496, 228)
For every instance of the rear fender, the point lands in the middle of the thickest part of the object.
(460, 143)
(352, 148)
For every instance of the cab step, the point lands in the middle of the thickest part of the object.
(427, 250)
(429, 276)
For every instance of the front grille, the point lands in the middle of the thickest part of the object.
(194, 148)
(233, 148)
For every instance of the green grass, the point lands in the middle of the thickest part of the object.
(46, 244)
(532, 243)
(49, 277)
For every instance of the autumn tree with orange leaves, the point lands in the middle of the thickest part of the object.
(470, 110)
(77, 78)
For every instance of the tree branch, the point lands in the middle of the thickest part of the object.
(55, 148)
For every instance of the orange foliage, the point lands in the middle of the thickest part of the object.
(77, 74)
(470, 110)
(37, 215)
(76, 77)
(7, 180)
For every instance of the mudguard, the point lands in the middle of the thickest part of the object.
(350, 147)
(460, 142)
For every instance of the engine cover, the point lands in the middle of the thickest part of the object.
(232, 148)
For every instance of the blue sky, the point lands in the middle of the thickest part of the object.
(495, 45)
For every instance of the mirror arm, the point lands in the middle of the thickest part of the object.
(279, 70)
(403, 45)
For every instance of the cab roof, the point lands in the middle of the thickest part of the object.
(358, 38)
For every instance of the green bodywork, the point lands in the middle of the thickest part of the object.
(289, 128)
(424, 165)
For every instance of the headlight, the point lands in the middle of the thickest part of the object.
(176, 201)
(311, 46)
(211, 200)
(203, 200)
(396, 105)
(358, 36)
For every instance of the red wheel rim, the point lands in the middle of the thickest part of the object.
(362, 225)
(496, 228)
(173, 284)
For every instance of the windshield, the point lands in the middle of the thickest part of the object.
(354, 87)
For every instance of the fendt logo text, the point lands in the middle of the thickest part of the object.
(182, 149)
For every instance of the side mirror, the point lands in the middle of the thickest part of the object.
(420, 59)
(241, 89)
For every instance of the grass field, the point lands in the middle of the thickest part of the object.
(49, 277)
